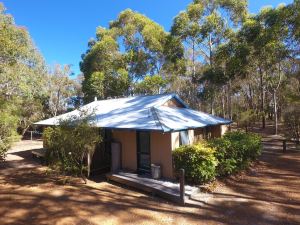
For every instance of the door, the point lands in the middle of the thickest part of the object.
(101, 158)
(115, 157)
(143, 152)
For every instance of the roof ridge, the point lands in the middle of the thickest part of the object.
(133, 96)
(155, 114)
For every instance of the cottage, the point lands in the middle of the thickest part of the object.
(143, 130)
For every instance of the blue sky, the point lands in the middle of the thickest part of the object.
(62, 28)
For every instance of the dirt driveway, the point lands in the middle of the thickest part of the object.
(269, 193)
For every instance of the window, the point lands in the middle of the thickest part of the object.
(184, 137)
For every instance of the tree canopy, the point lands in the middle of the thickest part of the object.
(26, 86)
(133, 48)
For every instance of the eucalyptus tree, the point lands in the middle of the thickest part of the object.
(21, 65)
(291, 15)
(203, 27)
(60, 89)
(151, 85)
(132, 48)
(22, 79)
(264, 35)
(103, 65)
(143, 42)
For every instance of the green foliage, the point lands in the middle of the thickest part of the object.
(69, 144)
(203, 27)
(21, 65)
(143, 41)
(198, 161)
(204, 161)
(131, 49)
(246, 118)
(235, 150)
(292, 122)
(22, 70)
(60, 88)
(150, 85)
(8, 124)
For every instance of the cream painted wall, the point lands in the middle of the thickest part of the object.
(191, 136)
(128, 143)
(161, 145)
(161, 152)
(219, 131)
(224, 129)
(175, 140)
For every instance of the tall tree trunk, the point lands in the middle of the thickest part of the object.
(262, 96)
(223, 103)
(229, 106)
(210, 51)
(57, 103)
(275, 112)
(193, 60)
(194, 85)
(25, 129)
(250, 97)
(212, 110)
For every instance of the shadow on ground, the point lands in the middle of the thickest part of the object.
(267, 193)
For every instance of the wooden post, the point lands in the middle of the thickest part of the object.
(31, 135)
(182, 186)
(284, 145)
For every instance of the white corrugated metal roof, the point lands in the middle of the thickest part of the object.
(141, 113)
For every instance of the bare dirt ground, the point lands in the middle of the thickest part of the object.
(268, 193)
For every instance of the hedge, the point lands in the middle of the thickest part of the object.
(198, 161)
(235, 150)
(217, 157)
(68, 145)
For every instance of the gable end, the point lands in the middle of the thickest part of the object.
(174, 103)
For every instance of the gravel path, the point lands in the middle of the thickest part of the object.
(268, 193)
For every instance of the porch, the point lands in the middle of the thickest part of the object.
(163, 188)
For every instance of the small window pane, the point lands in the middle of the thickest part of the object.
(184, 137)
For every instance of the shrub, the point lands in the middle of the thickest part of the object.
(198, 161)
(8, 125)
(292, 122)
(69, 144)
(245, 119)
(235, 150)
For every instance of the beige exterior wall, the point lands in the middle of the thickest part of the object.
(128, 143)
(219, 131)
(161, 152)
(224, 129)
(175, 140)
(161, 147)
(191, 136)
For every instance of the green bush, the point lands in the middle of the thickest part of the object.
(235, 150)
(198, 161)
(292, 121)
(69, 144)
(218, 157)
(8, 134)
